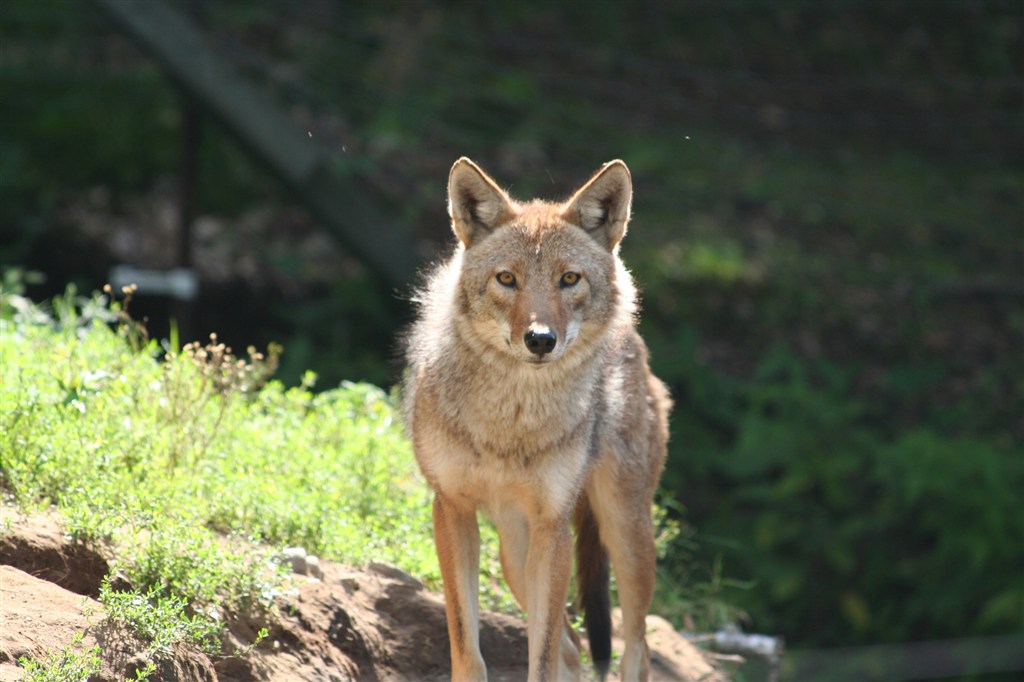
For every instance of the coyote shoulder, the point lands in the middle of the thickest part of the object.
(528, 396)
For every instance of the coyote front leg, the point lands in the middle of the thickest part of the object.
(548, 566)
(457, 537)
(514, 532)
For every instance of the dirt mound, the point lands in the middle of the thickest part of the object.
(38, 617)
(375, 623)
(37, 546)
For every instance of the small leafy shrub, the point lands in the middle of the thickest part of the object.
(160, 621)
(181, 556)
(70, 664)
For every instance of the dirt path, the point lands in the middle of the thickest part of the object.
(373, 623)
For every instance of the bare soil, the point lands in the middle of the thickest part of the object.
(371, 623)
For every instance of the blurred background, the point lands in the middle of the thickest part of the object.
(828, 232)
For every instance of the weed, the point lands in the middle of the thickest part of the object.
(198, 469)
(160, 620)
(70, 664)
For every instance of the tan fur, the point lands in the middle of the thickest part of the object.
(526, 435)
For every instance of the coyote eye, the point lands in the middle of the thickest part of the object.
(506, 278)
(570, 279)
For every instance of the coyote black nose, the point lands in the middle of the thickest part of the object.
(540, 341)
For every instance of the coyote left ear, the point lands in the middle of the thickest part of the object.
(601, 207)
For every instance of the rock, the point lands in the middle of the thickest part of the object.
(296, 558)
(302, 563)
(313, 569)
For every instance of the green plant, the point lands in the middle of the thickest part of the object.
(160, 620)
(196, 469)
(692, 590)
(867, 535)
(70, 664)
(142, 674)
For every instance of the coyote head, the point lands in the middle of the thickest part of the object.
(539, 280)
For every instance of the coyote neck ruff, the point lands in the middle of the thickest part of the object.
(528, 396)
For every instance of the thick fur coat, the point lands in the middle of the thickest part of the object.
(528, 396)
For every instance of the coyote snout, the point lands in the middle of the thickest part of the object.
(540, 340)
(528, 396)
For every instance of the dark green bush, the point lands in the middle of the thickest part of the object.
(848, 533)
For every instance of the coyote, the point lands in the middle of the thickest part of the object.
(528, 395)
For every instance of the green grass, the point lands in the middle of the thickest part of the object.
(180, 459)
(160, 620)
(70, 664)
(195, 476)
(194, 470)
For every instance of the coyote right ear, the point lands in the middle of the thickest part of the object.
(475, 202)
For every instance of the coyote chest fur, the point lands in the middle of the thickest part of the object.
(528, 395)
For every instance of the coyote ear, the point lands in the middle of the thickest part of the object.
(475, 202)
(601, 207)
